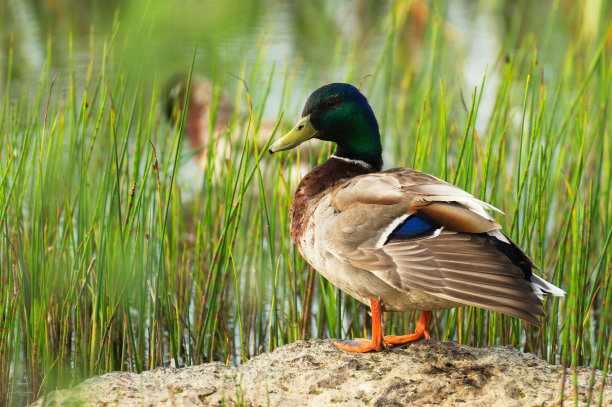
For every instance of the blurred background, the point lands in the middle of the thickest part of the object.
(318, 41)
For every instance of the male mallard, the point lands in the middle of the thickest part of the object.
(399, 240)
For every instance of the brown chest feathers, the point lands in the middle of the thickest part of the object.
(315, 184)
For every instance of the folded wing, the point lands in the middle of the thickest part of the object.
(415, 231)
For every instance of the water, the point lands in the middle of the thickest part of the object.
(301, 38)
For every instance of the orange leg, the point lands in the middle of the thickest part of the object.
(364, 345)
(378, 342)
(419, 332)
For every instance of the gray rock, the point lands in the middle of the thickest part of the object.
(315, 373)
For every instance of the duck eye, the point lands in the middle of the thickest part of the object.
(331, 102)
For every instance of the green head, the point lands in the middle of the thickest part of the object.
(338, 112)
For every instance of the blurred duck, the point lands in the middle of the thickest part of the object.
(197, 129)
(399, 240)
(197, 123)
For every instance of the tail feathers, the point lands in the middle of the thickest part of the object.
(543, 287)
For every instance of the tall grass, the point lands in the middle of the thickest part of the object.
(110, 262)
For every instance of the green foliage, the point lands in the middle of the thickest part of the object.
(111, 261)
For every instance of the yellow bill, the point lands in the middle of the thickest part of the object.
(301, 132)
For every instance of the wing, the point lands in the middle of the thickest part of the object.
(415, 231)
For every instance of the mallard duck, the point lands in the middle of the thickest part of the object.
(399, 240)
(197, 121)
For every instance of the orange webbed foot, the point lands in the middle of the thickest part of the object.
(421, 331)
(378, 342)
(360, 345)
(363, 345)
(398, 340)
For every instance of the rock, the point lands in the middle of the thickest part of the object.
(315, 373)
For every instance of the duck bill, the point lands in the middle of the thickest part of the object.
(301, 132)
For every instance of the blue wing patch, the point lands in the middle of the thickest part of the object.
(416, 225)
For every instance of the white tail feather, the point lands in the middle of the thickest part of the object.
(543, 287)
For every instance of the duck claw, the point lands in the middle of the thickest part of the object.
(360, 345)
(421, 331)
(378, 342)
(398, 340)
